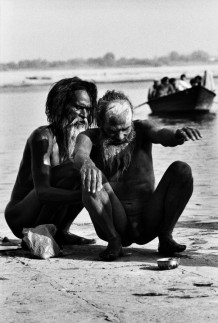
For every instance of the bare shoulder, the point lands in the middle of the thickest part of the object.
(93, 134)
(41, 133)
(145, 127)
(41, 141)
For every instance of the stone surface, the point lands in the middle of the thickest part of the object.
(78, 287)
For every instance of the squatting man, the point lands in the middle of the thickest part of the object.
(48, 187)
(115, 162)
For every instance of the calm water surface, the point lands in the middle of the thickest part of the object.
(21, 112)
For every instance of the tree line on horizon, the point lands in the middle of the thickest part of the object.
(109, 60)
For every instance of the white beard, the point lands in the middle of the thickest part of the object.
(117, 158)
(72, 135)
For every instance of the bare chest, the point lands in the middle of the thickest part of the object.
(55, 153)
(137, 180)
(55, 160)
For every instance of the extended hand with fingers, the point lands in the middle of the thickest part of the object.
(187, 133)
(91, 177)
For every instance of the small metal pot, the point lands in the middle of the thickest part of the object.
(168, 263)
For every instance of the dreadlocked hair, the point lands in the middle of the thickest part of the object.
(103, 103)
(60, 95)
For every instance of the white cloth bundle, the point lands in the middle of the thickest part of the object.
(40, 241)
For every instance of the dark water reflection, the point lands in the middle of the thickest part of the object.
(184, 119)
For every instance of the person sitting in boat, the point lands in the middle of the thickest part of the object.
(196, 81)
(165, 88)
(152, 91)
(48, 187)
(192, 82)
(182, 83)
(173, 83)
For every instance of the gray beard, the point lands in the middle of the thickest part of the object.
(117, 158)
(72, 135)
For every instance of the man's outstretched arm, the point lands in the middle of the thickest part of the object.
(170, 137)
(91, 176)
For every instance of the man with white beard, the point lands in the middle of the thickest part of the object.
(48, 187)
(115, 161)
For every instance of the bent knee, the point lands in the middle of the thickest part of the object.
(181, 170)
(9, 214)
(99, 196)
(13, 224)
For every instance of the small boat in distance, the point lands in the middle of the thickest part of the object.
(197, 99)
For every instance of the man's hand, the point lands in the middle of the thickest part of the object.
(187, 133)
(91, 177)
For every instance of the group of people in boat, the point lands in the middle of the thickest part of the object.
(167, 85)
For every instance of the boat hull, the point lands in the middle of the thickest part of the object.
(196, 99)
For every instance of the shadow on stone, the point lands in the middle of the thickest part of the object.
(131, 254)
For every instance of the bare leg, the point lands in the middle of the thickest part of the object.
(29, 212)
(109, 219)
(166, 205)
(63, 215)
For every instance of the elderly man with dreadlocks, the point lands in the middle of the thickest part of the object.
(48, 188)
(118, 178)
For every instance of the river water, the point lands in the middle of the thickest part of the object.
(21, 111)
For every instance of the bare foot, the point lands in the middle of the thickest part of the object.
(112, 252)
(169, 246)
(67, 238)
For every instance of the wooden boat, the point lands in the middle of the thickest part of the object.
(196, 99)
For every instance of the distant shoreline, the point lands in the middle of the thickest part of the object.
(29, 80)
(38, 87)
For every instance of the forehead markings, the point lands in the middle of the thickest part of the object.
(119, 111)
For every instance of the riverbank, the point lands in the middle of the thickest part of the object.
(31, 78)
(78, 287)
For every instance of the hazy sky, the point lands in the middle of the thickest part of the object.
(63, 29)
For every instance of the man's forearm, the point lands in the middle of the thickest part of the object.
(167, 137)
(81, 159)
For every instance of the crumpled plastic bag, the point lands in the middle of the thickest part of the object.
(40, 241)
